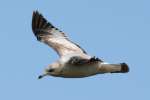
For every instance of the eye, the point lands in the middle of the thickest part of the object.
(50, 70)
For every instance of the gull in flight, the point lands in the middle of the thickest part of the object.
(73, 62)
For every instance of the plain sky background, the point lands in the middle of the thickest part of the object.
(114, 30)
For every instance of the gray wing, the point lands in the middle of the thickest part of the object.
(47, 33)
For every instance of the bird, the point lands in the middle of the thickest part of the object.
(74, 61)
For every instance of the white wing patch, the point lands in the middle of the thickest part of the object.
(63, 46)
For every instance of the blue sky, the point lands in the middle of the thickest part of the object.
(114, 30)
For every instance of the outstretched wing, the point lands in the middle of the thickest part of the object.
(47, 33)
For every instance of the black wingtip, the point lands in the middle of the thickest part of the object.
(39, 23)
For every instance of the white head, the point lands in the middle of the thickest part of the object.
(52, 69)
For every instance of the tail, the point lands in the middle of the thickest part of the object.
(124, 68)
(114, 68)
